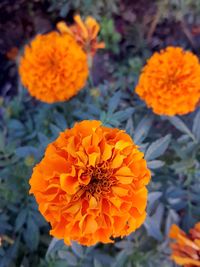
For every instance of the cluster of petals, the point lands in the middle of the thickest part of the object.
(91, 184)
(186, 248)
(170, 82)
(85, 33)
(54, 67)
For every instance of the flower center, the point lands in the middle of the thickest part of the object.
(101, 180)
(100, 183)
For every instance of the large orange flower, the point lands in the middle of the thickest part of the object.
(91, 184)
(85, 33)
(186, 249)
(54, 67)
(170, 82)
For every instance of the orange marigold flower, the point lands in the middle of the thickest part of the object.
(85, 33)
(186, 249)
(91, 184)
(170, 82)
(54, 67)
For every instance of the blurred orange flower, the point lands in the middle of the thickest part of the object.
(12, 53)
(54, 67)
(91, 184)
(85, 33)
(186, 249)
(170, 82)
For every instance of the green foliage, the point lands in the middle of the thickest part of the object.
(178, 9)
(171, 146)
(95, 7)
(110, 36)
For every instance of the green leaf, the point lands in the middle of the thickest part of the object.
(142, 129)
(16, 128)
(153, 196)
(153, 228)
(31, 234)
(64, 10)
(77, 249)
(124, 244)
(114, 102)
(25, 151)
(55, 130)
(43, 139)
(60, 121)
(181, 126)
(155, 164)
(172, 217)
(2, 141)
(123, 115)
(54, 245)
(21, 219)
(129, 126)
(157, 148)
(68, 256)
(196, 126)
(10, 254)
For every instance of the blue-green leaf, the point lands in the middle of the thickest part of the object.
(196, 126)
(153, 228)
(142, 129)
(181, 126)
(31, 234)
(114, 102)
(155, 164)
(68, 256)
(157, 148)
(77, 249)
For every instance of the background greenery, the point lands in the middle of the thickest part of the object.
(132, 31)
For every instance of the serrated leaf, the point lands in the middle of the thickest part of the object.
(181, 126)
(142, 129)
(157, 148)
(196, 126)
